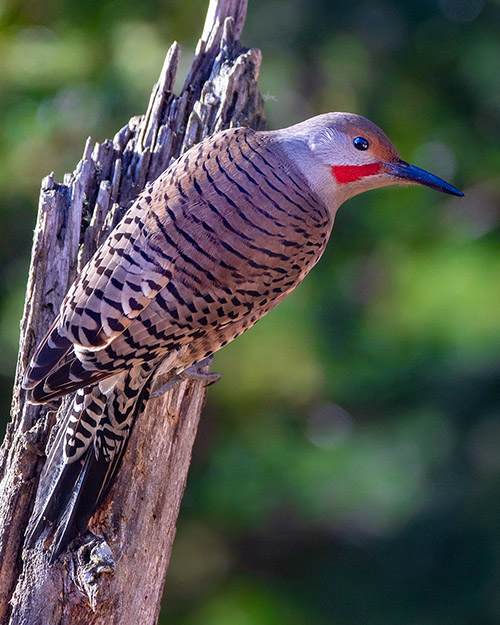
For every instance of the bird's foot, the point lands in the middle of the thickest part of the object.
(194, 372)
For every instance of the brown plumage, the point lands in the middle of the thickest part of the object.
(220, 238)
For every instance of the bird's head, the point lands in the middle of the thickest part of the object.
(342, 154)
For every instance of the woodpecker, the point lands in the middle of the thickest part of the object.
(219, 239)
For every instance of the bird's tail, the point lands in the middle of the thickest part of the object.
(84, 456)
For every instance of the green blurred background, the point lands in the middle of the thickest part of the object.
(347, 467)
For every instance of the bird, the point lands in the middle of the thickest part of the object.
(220, 238)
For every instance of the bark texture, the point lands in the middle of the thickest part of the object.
(118, 578)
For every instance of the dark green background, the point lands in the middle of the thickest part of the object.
(347, 468)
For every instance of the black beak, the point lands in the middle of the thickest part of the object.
(415, 175)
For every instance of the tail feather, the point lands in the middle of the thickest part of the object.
(67, 378)
(81, 487)
(76, 478)
(50, 375)
(61, 507)
(49, 353)
(72, 519)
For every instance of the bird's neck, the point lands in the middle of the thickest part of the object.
(294, 156)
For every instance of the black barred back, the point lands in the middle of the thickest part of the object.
(217, 241)
(220, 238)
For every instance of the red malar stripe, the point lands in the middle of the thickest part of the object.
(350, 173)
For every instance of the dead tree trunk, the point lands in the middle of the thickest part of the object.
(119, 580)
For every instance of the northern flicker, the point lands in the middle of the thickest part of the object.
(219, 239)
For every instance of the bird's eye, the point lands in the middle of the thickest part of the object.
(360, 143)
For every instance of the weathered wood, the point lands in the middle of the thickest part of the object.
(119, 580)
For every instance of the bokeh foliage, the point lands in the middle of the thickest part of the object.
(347, 467)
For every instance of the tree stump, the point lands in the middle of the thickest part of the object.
(118, 578)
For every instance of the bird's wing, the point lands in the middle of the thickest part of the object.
(224, 217)
(244, 229)
(120, 280)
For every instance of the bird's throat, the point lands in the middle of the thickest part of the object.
(351, 173)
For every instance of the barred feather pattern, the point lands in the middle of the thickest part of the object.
(222, 237)
(101, 419)
(85, 455)
(218, 240)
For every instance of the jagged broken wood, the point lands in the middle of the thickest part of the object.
(138, 518)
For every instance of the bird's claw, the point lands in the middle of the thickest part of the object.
(191, 373)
